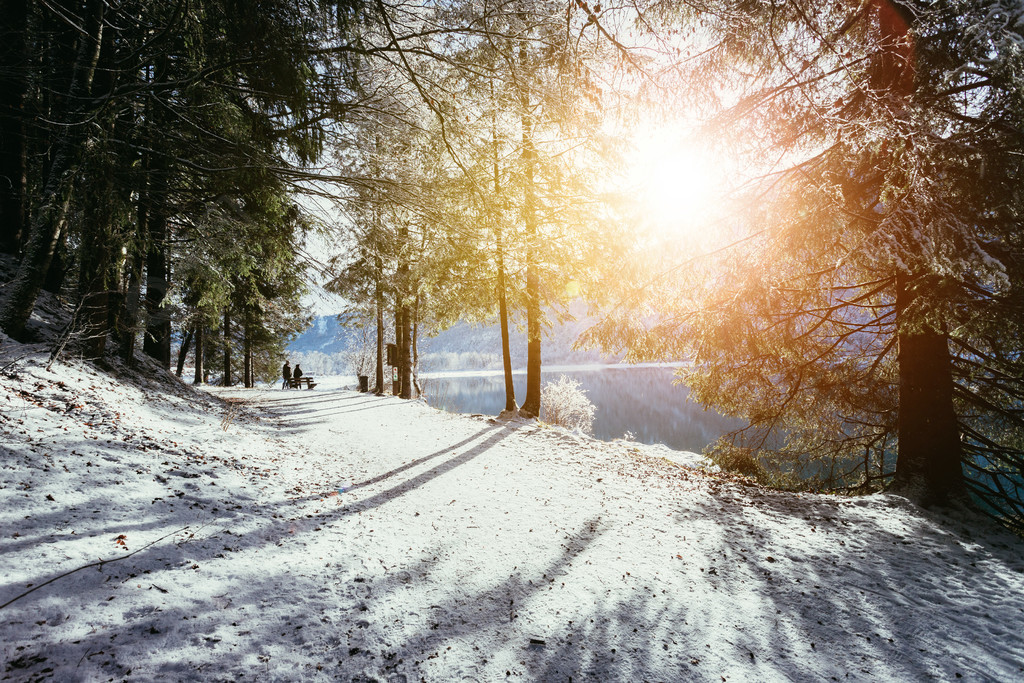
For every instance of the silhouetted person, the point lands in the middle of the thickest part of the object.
(298, 372)
(286, 373)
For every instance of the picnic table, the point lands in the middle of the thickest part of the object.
(297, 382)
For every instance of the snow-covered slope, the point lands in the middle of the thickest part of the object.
(150, 534)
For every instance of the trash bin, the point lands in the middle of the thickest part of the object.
(364, 383)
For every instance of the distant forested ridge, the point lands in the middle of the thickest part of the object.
(329, 347)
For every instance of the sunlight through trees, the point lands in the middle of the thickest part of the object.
(816, 206)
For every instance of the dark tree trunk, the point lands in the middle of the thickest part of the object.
(928, 465)
(247, 372)
(97, 272)
(59, 264)
(100, 236)
(415, 345)
(126, 309)
(531, 404)
(45, 227)
(92, 323)
(405, 353)
(379, 390)
(506, 347)
(209, 352)
(226, 381)
(157, 343)
(127, 325)
(200, 373)
(183, 352)
(403, 317)
(93, 285)
(13, 89)
(396, 384)
(93, 294)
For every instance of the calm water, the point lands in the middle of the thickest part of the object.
(640, 400)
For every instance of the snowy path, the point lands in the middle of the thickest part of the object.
(344, 536)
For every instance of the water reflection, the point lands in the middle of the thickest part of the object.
(640, 400)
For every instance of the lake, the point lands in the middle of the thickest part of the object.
(641, 400)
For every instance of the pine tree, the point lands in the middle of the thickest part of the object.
(870, 315)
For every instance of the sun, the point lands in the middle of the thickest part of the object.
(678, 183)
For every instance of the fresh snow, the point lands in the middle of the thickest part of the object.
(153, 532)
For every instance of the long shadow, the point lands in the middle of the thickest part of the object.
(859, 593)
(316, 418)
(420, 461)
(421, 479)
(678, 639)
(299, 412)
(191, 640)
(515, 589)
(286, 403)
(277, 525)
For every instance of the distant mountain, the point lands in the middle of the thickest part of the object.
(329, 347)
(326, 335)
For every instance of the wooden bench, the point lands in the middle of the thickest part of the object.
(297, 382)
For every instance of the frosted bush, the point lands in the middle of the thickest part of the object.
(564, 403)
(360, 360)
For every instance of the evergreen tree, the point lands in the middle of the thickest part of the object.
(148, 114)
(871, 315)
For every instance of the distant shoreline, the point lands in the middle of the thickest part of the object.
(588, 367)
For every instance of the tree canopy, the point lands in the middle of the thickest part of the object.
(867, 323)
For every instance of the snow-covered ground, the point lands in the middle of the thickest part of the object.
(150, 532)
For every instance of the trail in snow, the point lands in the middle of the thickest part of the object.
(331, 535)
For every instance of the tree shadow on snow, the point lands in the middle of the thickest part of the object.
(780, 587)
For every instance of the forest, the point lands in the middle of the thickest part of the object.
(817, 205)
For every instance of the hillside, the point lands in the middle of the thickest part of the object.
(152, 532)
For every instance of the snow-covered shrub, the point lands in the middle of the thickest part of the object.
(564, 403)
(436, 361)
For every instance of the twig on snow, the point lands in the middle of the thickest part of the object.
(100, 563)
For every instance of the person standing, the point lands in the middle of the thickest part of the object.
(286, 373)
(298, 371)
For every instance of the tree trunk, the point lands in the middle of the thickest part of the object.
(531, 404)
(405, 353)
(199, 376)
(183, 352)
(247, 372)
(157, 343)
(396, 384)
(92, 319)
(506, 347)
(928, 465)
(13, 89)
(101, 237)
(379, 390)
(415, 345)
(97, 272)
(45, 227)
(403, 318)
(226, 380)
(60, 264)
(126, 310)
(127, 326)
